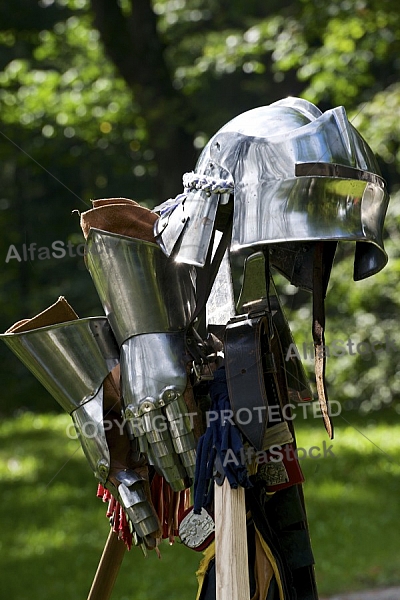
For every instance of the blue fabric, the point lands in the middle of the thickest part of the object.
(168, 207)
(221, 440)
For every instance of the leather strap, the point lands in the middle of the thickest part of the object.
(251, 376)
(318, 332)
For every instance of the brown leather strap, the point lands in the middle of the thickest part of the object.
(59, 312)
(318, 332)
(122, 216)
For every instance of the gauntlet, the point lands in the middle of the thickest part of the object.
(149, 301)
(73, 359)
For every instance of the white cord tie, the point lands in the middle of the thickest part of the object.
(193, 181)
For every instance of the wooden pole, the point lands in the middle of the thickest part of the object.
(231, 566)
(108, 568)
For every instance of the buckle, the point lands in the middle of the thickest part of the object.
(255, 310)
(202, 371)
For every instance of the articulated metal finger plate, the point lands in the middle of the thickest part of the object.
(132, 496)
(153, 373)
(149, 301)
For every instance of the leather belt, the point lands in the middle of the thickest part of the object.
(251, 376)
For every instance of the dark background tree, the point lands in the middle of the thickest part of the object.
(117, 98)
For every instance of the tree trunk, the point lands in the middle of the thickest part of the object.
(134, 45)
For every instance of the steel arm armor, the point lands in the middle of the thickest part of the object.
(149, 301)
(72, 360)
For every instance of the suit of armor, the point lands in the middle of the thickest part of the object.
(201, 357)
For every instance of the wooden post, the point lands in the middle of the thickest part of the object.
(107, 571)
(231, 566)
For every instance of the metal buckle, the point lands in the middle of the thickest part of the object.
(202, 371)
(255, 310)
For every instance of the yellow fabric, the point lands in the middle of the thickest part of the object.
(272, 560)
(277, 435)
(263, 572)
(209, 554)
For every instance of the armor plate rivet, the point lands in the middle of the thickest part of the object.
(169, 395)
(129, 412)
(103, 468)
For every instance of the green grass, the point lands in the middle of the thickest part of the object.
(53, 528)
(352, 502)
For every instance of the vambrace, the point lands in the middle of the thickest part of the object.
(73, 360)
(149, 301)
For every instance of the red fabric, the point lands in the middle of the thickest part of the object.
(170, 506)
(116, 513)
(292, 465)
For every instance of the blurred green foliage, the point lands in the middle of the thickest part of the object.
(76, 123)
(54, 528)
(114, 98)
(351, 501)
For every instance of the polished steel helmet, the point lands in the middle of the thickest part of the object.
(297, 176)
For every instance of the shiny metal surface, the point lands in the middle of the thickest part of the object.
(88, 420)
(132, 496)
(182, 436)
(317, 169)
(196, 215)
(220, 305)
(273, 205)
(254, 286)
(347, 210)
(129, 477)
(153, 380)
(152, 366)
(70, 359)
(282, 195)
(140, 289)
(195, 529)
(138, 509)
